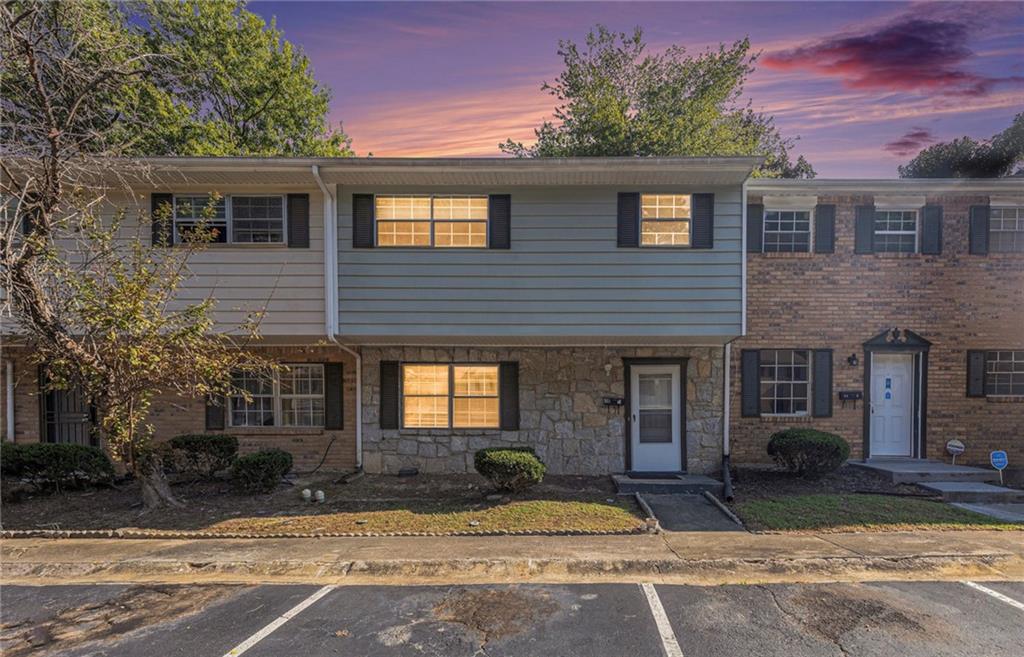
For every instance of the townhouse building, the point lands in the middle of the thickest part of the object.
(615, 314)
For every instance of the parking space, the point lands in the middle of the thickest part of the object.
(874, 619)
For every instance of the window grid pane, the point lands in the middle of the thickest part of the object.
(191, 210)
(425, 396)
(470, 391)
(1006, 230)
(302, 396)
(785, 381)
(896, 231)
(259, 411)
(449, 221)
(787, 231)
(1004, 373)
(475, 396)
(665, 219)
(257, 219)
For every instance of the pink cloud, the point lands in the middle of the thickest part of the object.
(911, 142)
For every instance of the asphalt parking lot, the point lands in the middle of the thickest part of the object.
(589, 620)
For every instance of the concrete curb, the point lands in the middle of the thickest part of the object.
(932, 567)
(200, 534)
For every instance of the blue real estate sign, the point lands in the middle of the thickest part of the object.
(999, 459)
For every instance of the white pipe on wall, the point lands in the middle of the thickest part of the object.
(10, 399)
(726, 398)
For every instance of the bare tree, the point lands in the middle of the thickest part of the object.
(97, 302)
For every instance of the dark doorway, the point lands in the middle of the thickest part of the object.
(68, 418)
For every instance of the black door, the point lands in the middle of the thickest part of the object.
(67, 417)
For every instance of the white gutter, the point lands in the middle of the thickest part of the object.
(330, 218)
(743, 255)
(727, 375)
(10, 400)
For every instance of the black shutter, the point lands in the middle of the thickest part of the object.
(160, 209)
(362, 221)
(702, 233)
(825, 229)
(508, 373)
(755, 228)
(864, 229)
(822, 397)
(629, 219)
(298, 221)
(979, 229)
(931, 230)
(499, 219)
(975, 373)
(334, 396)
(750, 382)
(215, 413)
(389, 394)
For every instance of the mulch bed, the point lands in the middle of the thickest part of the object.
(369, 505)
(765, 483)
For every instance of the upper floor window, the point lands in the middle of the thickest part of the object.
(292, 398)
(787, 231)
(450, 396)
(895, 231)
(1006, 230)
(1004, 373)
(250, 219)
(785, 381)
(665, 219)
(450, 221)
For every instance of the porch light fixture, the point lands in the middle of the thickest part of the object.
(852, 360)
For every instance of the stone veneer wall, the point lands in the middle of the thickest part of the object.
(561, 410)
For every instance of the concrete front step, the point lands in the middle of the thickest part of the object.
(912, 471)
(681, 483)
(966, 491)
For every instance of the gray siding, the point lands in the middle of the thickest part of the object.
(564, 277)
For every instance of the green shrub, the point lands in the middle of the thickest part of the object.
(510, 468)
(53, 466)
(808, 452)
(261, 471)
(204, 454)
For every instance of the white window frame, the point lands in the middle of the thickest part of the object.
(1019, 231)
(917, 228)
(810, 229)
(451, 396)
(810, 384)
(433, 220)
(688, 220)
(278, 406)
(1013, 359)
(229, 219)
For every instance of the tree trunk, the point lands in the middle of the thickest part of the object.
(156, 491)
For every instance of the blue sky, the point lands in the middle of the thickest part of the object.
(862, 85)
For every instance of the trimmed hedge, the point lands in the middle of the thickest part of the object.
(807, 452)
(260, 472)
(53, 466)
(204, 454)
(510, 468)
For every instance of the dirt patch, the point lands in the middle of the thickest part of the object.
(109, 619)
(765, 483)
(494, 613)
(833, 612)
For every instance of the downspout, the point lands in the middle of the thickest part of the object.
(10, 399)
(331, 300)
(726, 410)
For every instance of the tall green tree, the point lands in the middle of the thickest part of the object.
(615, 98)
(967, 158)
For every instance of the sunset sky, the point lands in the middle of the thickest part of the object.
(863, 85)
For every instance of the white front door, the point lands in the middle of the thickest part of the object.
(656, 418)
(892, 404)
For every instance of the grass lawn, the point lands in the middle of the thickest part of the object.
(858, 512)
(453, 518)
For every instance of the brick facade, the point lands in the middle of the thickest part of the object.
(172, 415)
(955, 300)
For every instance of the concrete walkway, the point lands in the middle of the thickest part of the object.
(676, 557)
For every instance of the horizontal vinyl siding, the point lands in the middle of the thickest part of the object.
(564, 275)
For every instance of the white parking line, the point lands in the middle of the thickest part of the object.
(995, 594)
(668, 637)
(278, 622)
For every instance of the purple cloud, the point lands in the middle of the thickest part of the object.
(911, 142)
(907, 54)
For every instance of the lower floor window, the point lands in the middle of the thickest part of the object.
(785, 381)
(450, 396)
(294, 397)
(1004, 373)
